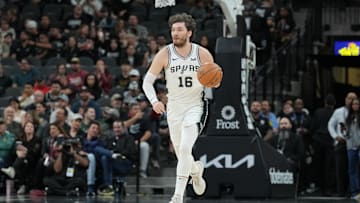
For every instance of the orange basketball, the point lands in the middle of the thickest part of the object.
(210, 74)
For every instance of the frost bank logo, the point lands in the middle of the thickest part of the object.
(226, 122)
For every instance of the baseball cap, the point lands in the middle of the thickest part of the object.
(75, 60)
(141, 97)
(116, 96)
(84, 89)
(112, 112)
(77, 117)
(134, 72)
(64, 97)
(133, 85)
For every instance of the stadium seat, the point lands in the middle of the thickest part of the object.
(86, 61)
(109, 61)
(67, 11)
(13, 92)
(4, 102)
(9, 62)
(30, 11)
(35, 61)
(159, 14)
(179, 8)
(139, 10)
(54, 61)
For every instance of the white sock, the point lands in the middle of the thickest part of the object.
(180, 186)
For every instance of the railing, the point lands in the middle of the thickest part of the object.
(272, 80)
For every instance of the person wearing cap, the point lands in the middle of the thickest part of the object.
(77, 75)
(7, 144)
(132, 93)
(84, 102)
(63, 102)
(27, 74)
(116, 102)
(134, 75)
(103, 75)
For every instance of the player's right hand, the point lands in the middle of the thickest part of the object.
(159, 107)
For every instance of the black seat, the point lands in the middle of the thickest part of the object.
(179, 8)
(9, 62)
(86, 61)
(109, 61)
(13, 92)
(139, 10)
(54, 61)
(158, 14)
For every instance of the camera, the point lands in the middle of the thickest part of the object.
(68, 143)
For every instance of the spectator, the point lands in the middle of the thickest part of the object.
(28, 74)
(78, 18)
(40, 84)
(5, 81)
(70, 49)
(84, 42)
(43, 47)
(199, 12)
(57, 40)
(153, 48)
(45, 24)
(53, 96)
(123, 78)
(92, 84)
(261, 122)
(287, 143)
(84, 102)
(27, 97)
(63, 102)
(103, 75)
(132, 57)
(60, 75)
(132, 93)
(114, 50)
(123, 145)
(323, 146)
(133, 27)
(106, 20)
(266, 111)
(28, 149)
(18, 112)
(5, 29)
(116, 102)
(141, 131)
(11, 125)
(6, 46)
(352, 137)
(335, 129)
(7, 144)
(77, 76)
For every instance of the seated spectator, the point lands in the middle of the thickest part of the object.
(133, 92)
(7, 144)
(21, 48)
(123, 146)
(77, 76)
(114, 50)
(5, 81)
(28, 74)
(43, 47)
(89, 117)
(6, 46)
(40, 84)
(261, 122)
(266, 111)
(123, 78)
(28, 149)
(141, 131)
(18, 112)
(60, 75)
(286, 142)
(84, 102)
(11, 125)
(27, 97)
(78, 18)
(63, 102)
(53, 96)
(70, 49)
(133, 27)
(104, 76)
(5, 29)
(91, 82)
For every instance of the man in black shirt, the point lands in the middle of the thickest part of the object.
(261, 122)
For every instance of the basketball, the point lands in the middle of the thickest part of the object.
(209, 74)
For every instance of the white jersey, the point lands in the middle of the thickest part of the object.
(181, 76)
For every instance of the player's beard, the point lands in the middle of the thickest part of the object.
(180, 42)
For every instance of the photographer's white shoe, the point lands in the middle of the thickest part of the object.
(197, 181)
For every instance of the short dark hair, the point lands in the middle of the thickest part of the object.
(189, 21)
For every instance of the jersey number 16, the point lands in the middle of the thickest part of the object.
(185, 81)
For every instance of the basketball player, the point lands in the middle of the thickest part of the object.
(186, 109)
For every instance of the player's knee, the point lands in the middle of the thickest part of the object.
(184, 150)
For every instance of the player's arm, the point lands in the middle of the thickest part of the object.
(205, 56)
(159, 62)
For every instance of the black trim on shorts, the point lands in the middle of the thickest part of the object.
(204, 115)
